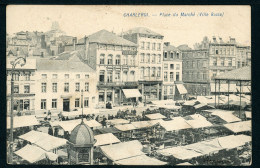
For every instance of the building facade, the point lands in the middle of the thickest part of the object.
(24, 86)
(172, 72)
(59, 84)
(150, 50)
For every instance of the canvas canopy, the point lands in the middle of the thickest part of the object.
(197, 121)
(106, 139)
(217, 111)
(125, 127)
(122, 150)
(117, 121)
(131, 93)
(248, 114)
(227, 116)
(107, 130)
(178, 123)
(232, 141)
(202, 105)
(155, 116)
(239, 126)
(140, 160)
(34, 154)
(43, 140)
(181, 88)
(22, 121)
(71, 124)
(169, 107)
(145, 124)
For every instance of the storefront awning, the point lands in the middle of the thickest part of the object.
(181, 88)
(130, 93)
(23, 121)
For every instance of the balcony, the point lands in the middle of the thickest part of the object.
(114, 84)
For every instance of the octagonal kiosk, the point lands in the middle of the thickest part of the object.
(80, 145)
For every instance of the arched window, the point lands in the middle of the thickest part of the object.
(110, 59)
(118, 60)
(102, 59)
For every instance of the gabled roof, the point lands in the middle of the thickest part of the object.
(243, 73)
(142, 30)
(184, 47)
(170, 48)
(106, 37)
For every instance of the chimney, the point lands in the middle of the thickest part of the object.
(214, 39)
(167, 44)
(86, 42)
(232, 40)
(220, 40)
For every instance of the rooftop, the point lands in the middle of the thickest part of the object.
(243, 73)
(142, 30)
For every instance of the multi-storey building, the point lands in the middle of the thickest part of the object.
(115, 62)
(59, 85)
(172, 72)
(209, 59)
(150, 50)
(24, 86)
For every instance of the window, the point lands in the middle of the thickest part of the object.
(165, 55)
(171, 76)
(238, 64)
(204, 64)
(77, 76)
(159, 72)
(148, 46)
(198, 63)
(44, 87)
(215, 61)
(147, 71)
(222, 61)
(165, 90)
(77, 102)
(142, 57)
(101, 97)
(102, 76)
(132, 60)
(67, 76)
(118, 60)
(153, 72)
(177, 55)
(142, 45)
(171, 66)
(26, 88)
(102, 59)
(214, 72)
(193, 64)
(222, 71)
(153, 46)
(26, 104)
(148, 58)
(16, 77)
(66, 87)
(16, 88)
(54, 103)
(86, 87)
(217, 52)
(54, 87)
(109, 96)
(27, 77)
(117, 76)
(43, 104)
(165, 76)
(165, 66)
(44, 76)
(232, 51)
(177, 76)
(77, 87)
(109, 76)
(110, 59)
(171, 90)
(54, 76)
(125, 59)
(159, 58)
(171, 54)
(142, 73)
(86, 102)
(204, 76)
(153, 58)
(177, 66)
(159, 46)
(93, 99)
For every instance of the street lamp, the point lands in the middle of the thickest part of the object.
(22, 62)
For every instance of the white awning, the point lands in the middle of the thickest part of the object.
(23, 121)
(131, 93)
(227, 116)
(181, 89)
(117, 121)
(239, 126)
(155, 116)
(106, 139)
(140, 160)
(71, 124)
(248, 114)
(125, 127)
(34, 154)
(178, 123)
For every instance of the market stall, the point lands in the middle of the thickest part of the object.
(106, 139)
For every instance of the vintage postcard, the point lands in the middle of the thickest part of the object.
(128, 85)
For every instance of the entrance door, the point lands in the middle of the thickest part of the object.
(116, 97)
(66, 105)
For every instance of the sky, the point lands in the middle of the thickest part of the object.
(81, 20)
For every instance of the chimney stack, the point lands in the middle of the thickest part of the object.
(74, 43)
(167, 44)
(214, 39)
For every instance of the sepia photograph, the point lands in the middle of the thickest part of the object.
(128, 85)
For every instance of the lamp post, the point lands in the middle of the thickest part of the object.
(22, 62)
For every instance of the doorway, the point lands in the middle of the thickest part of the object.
(66, 105)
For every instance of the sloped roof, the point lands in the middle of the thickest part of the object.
(142, 30)
(184, 47)
(62, 65)
(106, 37)
(243, 73)
(170, 48)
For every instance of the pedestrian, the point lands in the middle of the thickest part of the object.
(56, 131)
(50, 131)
